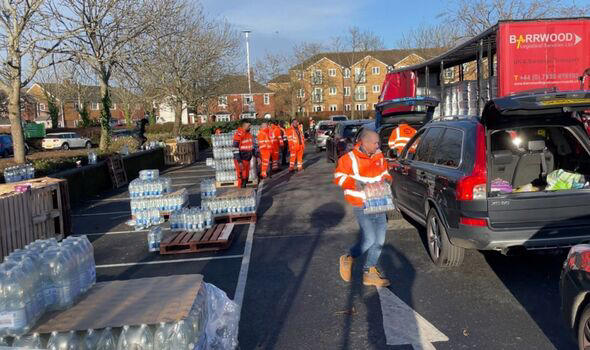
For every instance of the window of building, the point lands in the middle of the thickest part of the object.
(333, 91)
(332, 72)
(42, 107)
(114, 106)
(376, 70)
(448, 151)
(360, 93)
(376, 89)
(333, 108)
(347, 107)
(299, 75)
(95, 106)
(360, 75)
(203, 119)
(317, 77)
(301, 93)
(247, 100)
(317, 95)
(300, 109)
(346, 73)
(347, 91)
(222, 101)
(222, 118)
(266, 99)
(318, 108)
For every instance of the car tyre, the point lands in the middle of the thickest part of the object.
(65, 146)
(441, 251)
(88, 145)
(583, 330)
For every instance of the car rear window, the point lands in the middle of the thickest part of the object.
(428, 144)
(339, 118)
(325, 127)
(448, 151)
(351, 131)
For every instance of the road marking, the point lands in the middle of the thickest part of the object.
(113, 233)
(243, 276)
(109, 199)
(191, 177)
(105, 213)
(169, 261)
(404, 326)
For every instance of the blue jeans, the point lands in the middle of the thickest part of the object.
(373, 227)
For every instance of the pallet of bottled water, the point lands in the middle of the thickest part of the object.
(166, 203)
(44, 276)
(223, 153)
(223, 140)
(191, 220)
(225, 176)
(208, 188)
(239, 205)
(139, 188)
(378, 198)
(19, 173)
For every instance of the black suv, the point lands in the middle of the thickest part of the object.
(516, 177)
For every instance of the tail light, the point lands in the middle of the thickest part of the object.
(474, 186)
(578, 258)
(473, 222)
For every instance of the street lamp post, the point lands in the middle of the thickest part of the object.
(250, 102)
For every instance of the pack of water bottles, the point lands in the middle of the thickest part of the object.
(167, 203)
(19, 173)
(378, 198)
(223, 153)
(154, 237)
(226, 176)
(223, 140)
(139, 188)
(44, 276)
(149, 174)
(191, 220)
(223, 164)
(230, 205)
(208, 188)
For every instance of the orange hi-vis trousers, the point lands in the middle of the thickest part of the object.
(244, 174)
(296, 156)
(265, 162)
(275, 156)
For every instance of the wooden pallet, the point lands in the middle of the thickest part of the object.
(117, 171)
(236, 219)
(16, 226)
(224, 184)
(184, 153)
(218, 237)
(46, 211)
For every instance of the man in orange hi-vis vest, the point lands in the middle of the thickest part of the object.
(243, 147)
(400, 136)
(264, 148)
(364, 164)
(277, 141)
(296, 146)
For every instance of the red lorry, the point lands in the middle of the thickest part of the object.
(510, 57)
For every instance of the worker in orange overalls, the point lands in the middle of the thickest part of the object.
(285, 143)
(400, 136)
(296, 145)
(277, 144)
(364, 164)
(264, 149)
(243, 147)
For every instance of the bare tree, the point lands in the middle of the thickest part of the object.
(437, 37)
(27, 33)
(471, 17)
(301, 77)
(107, 37)
(185, 69)
(353, 50)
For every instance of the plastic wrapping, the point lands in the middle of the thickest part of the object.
(221, 328)
(378, 198)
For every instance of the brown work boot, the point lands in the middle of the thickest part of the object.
(373, 278)
(346, 267)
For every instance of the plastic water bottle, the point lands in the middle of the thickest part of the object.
(3, 342)
(182, 336)
(162, 336)
(91, 339)
(107, 340)
(154, 237)
(59, 269)
(63, 341)
(32, 341)
(15, 314)
(136, 337)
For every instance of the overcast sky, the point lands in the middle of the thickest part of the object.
(277, 25)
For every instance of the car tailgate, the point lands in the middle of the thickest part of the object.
(545, 209)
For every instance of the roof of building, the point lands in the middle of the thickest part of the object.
(389, 57)
(238, 84)
(91, 91)
(283, 78)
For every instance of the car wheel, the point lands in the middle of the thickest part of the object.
(88, 144)
(65, 146)
(584, 329)
(441, 251)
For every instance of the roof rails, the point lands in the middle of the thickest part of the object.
(455, 117)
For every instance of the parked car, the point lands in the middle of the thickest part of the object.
(321, 134)
(338, 118)
(343, 138)
(574, 288)
(124, 133)
(495, 182)
(65, 141)
(6, 147)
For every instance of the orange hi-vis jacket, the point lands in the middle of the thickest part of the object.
(295, 137)
(357, 166)
(276, 137)
(264, 141)
(243, 144)
(400, 136)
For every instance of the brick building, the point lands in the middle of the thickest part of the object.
(67, 100)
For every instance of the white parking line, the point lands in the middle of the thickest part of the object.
(109, 199)
(100, 214)
(113, 233)
(169, 261)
